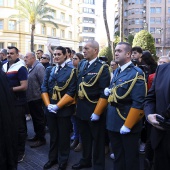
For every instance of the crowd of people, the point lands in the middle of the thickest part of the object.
(124, 106)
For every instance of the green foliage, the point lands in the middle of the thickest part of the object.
(107, 52)
(117, 40)
(130, 39)
(117, 33)
(146, 41)
(35, 11)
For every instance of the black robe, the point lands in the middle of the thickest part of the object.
(8, 132)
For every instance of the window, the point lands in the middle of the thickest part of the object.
(89, 2)
(53, 13)
(53, 32)
(70, 3)
(70, 35)
(88, 29)
(70, 19)
(62, 34)
(152, 20)
(12, 25)
(155, 10)
(1, 2)
(168, 20)
(11, 3)
(157, 20)
(62, 16)
(155, 1)
(43, 30)
(12, 44)
(89, 10)
(88, 39)
(158, 40)
(41, 47)
(1, 24)
(88, 20)
(152, 30)
(1, 45)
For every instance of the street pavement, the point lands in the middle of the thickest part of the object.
(35, 158)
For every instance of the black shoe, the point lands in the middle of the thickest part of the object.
(81, 166)
(38, 143)
(49, 164)
(32, 139)
(62, 166)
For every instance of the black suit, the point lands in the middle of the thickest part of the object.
(157, 101)
(92, 132)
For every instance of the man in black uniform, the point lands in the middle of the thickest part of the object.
(93, 77)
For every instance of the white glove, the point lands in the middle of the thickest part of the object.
(124, 130)
(94, 117)
(52, 108)
(107, 91)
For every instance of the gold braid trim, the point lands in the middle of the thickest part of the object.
(82, 93)
(57, 89)
(114, 96)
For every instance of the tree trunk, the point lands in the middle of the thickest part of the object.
(32, 37)
(106, 24)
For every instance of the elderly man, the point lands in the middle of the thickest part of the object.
(36, 72)
(93, 78)
(45, 60)
(17, 76)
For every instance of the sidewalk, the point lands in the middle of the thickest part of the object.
(35, 158)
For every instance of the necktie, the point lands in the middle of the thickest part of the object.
(59, 68)
(87, 65)
(118, 71)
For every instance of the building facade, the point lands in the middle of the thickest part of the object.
(151, 15)
(17, 33)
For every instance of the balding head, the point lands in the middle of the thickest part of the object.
(163, 60)
(91, 50)
(30, 59)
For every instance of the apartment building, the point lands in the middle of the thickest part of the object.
(65, 13)
(87, 21)
(151, 15)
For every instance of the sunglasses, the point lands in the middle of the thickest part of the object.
(10, 53)
(43, 58)
(75, 58)
(55, 54)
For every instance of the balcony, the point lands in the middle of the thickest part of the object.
(61, 22)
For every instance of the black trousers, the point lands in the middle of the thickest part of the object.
(38, 118)
(162, 154)
(93, 138)
(59, 128)
(20, 111)
(125, 147)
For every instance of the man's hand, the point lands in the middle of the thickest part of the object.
(152, 120)
(107, 91)
(53, 108)
(124, 130)
(94, 117)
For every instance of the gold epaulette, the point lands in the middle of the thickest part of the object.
(81, 92)
(57, 89)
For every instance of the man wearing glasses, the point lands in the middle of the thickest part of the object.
(45, 60)
(17, 75)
